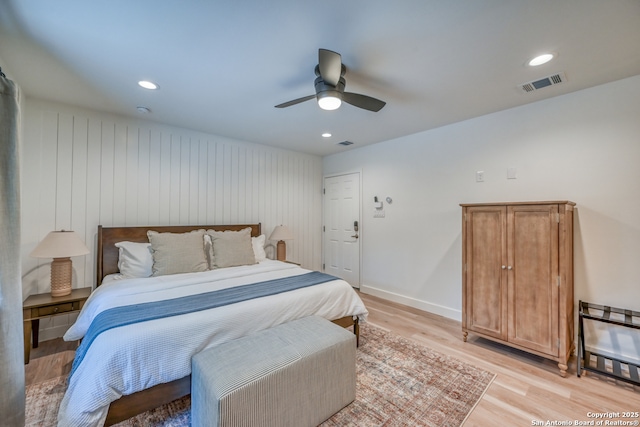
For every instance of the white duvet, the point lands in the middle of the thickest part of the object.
(128, 359)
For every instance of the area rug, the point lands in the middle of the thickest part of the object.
(399, 383)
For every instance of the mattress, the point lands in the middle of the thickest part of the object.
(131, 358)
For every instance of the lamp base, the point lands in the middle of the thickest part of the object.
(61, 271)
(281, 251)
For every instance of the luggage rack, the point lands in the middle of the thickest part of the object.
(607, 365)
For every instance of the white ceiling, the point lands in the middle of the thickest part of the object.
(222, 65)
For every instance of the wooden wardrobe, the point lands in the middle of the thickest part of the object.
(517, 276)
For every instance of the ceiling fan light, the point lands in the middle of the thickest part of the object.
(329, 102)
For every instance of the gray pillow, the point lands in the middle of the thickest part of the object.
(175, 253)
(232, 248)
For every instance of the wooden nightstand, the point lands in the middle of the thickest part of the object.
(36, 307)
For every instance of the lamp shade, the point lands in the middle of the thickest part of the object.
(60, 244)
(281, 232)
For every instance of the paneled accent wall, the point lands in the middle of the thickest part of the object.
(82, 168)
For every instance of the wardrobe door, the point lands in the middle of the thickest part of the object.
(533, 277)
(485, 290)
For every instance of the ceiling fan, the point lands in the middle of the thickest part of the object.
(330, 85)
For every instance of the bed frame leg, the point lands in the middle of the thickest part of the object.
(356, 330)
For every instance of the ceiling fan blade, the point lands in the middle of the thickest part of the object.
(363, 101)
(330, 66)
(295, 101)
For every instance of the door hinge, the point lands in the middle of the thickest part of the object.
(558, 218)
(558, 343)
(322, 266)
(324, 191)
(559, 280)
(323, 229)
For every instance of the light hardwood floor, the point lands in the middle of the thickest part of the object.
(527, 388)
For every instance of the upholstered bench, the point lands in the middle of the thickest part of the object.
(296, 374)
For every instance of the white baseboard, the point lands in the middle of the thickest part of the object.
(413, 302)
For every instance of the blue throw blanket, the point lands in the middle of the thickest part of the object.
(127, 315)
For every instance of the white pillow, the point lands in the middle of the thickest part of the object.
(134, 259)
(208, 251)
(258, 247)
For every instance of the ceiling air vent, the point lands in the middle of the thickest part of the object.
(544, 82)
(345, 143)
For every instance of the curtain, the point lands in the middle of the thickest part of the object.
(12, 399)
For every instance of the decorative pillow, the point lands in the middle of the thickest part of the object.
(232, 248)
(134, 259)
(175, 253)
(258, 247)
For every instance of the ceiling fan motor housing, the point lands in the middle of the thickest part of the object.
(324, 89)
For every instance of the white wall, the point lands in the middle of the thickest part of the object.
(583, 147)
(83, 168)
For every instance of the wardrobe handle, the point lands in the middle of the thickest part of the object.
(509, 268)
(504, 266)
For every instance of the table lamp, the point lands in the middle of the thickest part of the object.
(61, 246)
(281, 233)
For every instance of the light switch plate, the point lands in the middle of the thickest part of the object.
(512, 173)
(479, 176)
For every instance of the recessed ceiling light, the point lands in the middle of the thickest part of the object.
(541, 59)
(148, 85)
(326, 135)
(143, 110)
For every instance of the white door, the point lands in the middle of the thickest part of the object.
(342, 227)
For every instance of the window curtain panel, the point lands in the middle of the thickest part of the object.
(12, 398)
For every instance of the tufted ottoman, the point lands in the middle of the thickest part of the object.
(296, 374)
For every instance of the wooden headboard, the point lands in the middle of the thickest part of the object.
(107, 253)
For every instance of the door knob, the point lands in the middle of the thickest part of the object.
(355, 236)
(504, 266)
(509, 268)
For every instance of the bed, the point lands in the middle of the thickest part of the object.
(135, 367)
